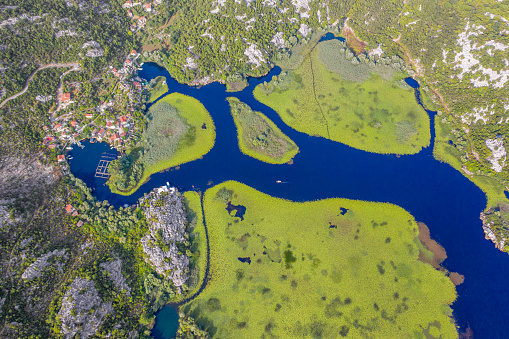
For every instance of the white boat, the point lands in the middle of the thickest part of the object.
(70, 158)
(278, 181)
(70, 148)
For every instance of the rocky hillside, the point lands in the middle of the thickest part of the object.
(166, 239)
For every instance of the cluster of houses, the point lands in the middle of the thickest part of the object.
(128, 85)
(66, 130)
(71, 210)
(114, 132)
(140, 20)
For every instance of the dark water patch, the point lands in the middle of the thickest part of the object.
(343, 210)
(332, 226)
(246, 259)
(167, 323)
(506, 194)
(412, 82)
(330, 36)
(204, 126)
(239, 210)
(86, 161)
(432, 192)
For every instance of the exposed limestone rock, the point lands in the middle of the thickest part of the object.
(37, 267)
(489, 234)
(498, 154)
(304, 30)
(278, 40)
(92, 43)
(165, 213)
(5, 215)
(43, 98)
(254, 55)
(82, 311)
(114, 268)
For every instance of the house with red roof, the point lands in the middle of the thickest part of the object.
(65, 97)
(44, 128)
(130, 13)
(127, 4)
(133, 52)
(69, 208)
(141, 21)
(89, 115)
(57, 127)
(80, 223)
(148, 7)
(61, 158)
(52, 146)
(74, 123)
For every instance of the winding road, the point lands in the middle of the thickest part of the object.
(76, 66)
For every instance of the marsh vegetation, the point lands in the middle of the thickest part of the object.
(362, 278)
(173, 136)
(259, 137)
(156, 88)
(353, 100)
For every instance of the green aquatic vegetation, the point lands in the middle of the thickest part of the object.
(259, 137)
(180, 130)
(331, 282)
(324, 100)
(158, 87)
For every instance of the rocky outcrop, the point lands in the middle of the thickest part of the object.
(114, 268)
(82, 311)
(489, 234)
(37, 267)
(165, 213)
(498, 154)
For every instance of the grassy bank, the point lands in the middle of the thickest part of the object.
(159, 88)
(180, 130)
(361, 105)
(197, 238)
(259, 137)
(327, 268)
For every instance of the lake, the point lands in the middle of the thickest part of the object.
(433, 192)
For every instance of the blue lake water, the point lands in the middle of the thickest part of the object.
(433, 192)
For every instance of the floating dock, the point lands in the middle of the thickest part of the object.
(102, 168)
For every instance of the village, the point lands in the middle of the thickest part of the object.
(104, 122)
(101, 123)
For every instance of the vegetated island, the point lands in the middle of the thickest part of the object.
(359, 101)
(326, 268)
(179, 130)
(259, 137)
(156, 88)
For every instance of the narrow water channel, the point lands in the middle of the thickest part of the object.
(433, 192)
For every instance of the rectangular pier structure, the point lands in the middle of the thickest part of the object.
(102, 168)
